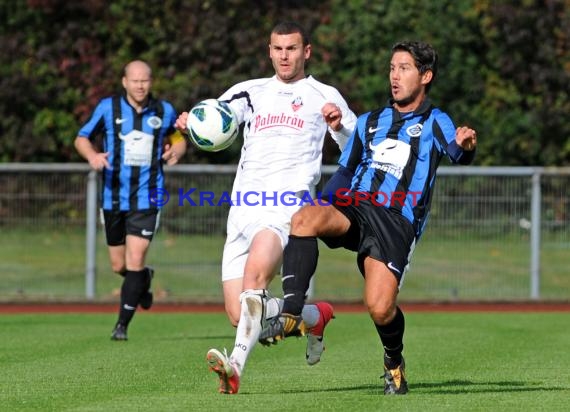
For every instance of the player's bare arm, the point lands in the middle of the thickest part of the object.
(466, 137)
(97, 160)
(174, 149)
(170, 155)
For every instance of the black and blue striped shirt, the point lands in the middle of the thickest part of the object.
(135, 143)
(394, 156)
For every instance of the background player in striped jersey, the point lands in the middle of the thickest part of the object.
(138, 136)
(394, 150)
(285, 121)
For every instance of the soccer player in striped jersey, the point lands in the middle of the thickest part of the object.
(286, 118)
(380, 199)
(138, 137)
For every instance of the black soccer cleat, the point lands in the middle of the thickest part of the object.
(119, 333)
(395, 380)
(281, 327)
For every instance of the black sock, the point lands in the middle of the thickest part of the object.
(299, 264)
(392, 337)
(148, 278)
(131, 290)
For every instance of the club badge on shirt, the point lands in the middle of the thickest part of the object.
(297, 103)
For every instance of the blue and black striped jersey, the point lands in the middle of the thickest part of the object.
(135, 143)
(394, 157)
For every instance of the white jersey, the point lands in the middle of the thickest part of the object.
(284, 132)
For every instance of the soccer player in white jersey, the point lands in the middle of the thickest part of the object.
(285, 118)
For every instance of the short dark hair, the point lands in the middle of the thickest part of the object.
(424, 55)
(290, 27)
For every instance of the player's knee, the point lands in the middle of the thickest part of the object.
(382, 313)
(118, 267)
(302, 223)
(257, 279)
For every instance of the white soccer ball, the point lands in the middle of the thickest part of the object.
(212, 125)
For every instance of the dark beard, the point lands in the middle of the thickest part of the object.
(407, 100)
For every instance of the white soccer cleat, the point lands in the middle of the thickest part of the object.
(219, 363)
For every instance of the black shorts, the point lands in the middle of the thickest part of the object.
(378, 232)
(118, 224)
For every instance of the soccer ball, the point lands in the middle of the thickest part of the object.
(212, 125)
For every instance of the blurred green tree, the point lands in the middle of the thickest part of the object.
(504, 66)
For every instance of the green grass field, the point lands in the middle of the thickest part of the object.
(50, 265)
(455, 362)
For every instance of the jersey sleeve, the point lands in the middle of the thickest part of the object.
(170, 118)
(96, 123)
(340, 180)
(237, 97)
(444, 131)
(348, 122)
(351, 155)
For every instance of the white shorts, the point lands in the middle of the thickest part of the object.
(244, 222)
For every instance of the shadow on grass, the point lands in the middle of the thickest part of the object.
(210, 337)
(465, 386)
(455, 387)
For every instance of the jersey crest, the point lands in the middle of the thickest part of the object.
(297, 103)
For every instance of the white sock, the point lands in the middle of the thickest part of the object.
(249, 326)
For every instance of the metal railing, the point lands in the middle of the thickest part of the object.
(489, 228)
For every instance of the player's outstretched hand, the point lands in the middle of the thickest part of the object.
(333, 116)
(466, 138)
(181, 122)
